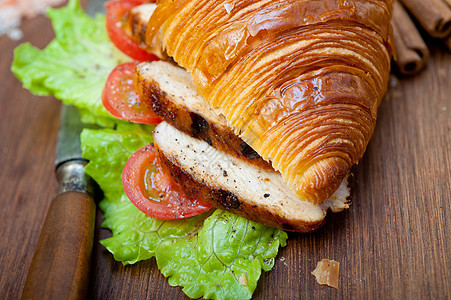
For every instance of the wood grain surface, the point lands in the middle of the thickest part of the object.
(393, 243)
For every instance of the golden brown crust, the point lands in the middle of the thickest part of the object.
(299, 81)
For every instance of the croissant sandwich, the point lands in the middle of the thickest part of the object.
(267, 104)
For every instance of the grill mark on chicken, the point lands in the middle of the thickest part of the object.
(199, 126)
(227, 199)
(153, 92)
(248, 152)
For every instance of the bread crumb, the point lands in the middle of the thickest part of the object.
(283, 260)
(327, 272)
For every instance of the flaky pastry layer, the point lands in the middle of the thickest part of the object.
(299, 81)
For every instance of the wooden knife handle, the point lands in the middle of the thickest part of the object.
(61, 263)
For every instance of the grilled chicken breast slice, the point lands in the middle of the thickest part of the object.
(168, 89)
(232, 184)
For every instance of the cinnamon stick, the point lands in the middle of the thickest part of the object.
(412, 53)
(433, 15)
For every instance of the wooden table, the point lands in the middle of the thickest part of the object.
(394, 241)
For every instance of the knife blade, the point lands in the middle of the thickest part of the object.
(61, 263)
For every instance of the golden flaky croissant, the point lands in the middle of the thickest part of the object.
(299, 81)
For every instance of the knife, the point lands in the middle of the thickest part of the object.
(61, 263)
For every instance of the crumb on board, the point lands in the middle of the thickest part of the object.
(326, 272)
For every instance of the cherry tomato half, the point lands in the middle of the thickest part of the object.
(155, 193)
(120, 99)
(115, 11)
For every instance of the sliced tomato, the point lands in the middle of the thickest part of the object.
(115, 11)
(156, 193)
(121, 100)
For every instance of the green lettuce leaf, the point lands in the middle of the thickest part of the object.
(215, 255)
(74, 66)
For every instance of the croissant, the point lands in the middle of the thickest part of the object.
(299, 81)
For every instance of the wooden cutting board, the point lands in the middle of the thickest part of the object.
(393, 243)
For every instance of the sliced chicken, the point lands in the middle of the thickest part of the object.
(136, 22)
(170, 92)
(232, 184)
